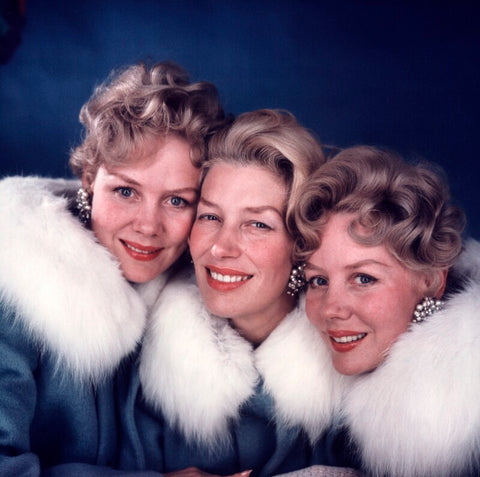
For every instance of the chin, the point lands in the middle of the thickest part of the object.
(220, 310)
(140, 276)
(350, 369)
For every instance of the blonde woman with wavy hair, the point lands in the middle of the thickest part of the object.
(395, 295)
(80, 262)
(230, 370)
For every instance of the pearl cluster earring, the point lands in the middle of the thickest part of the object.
(428, 306)
(296, 280)
(84, 205)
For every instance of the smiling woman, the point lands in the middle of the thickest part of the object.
(395, 295)
(143, 212)
(241, 248)
(230, 368)
(71, 310)
(361, 297)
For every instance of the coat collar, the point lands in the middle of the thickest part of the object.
(64, 287)
(199, 371)
(418, 413)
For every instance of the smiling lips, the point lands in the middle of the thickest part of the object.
(343, 341)
(224, 279)
(141, 253)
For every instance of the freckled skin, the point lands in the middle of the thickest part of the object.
(148, 204)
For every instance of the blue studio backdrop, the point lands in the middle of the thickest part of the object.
(402, 75)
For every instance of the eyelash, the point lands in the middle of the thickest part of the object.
(207, 217)
(256, 224)
(184, 202)
(121, 190)
(369, 278)
(313, 281)
(131, 192)
(261, 225)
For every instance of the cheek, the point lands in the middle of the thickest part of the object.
(109, 214)
(104, 224)
(277, 251)
(198, 242)
(313, 309)
(108, 222)
(390, 324)
(179, 227)
(276, 260)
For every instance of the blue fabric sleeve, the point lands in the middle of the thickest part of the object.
(17, 399)
(20, 367)
(86, 470)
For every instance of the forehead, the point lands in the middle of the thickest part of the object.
(169, 156)
(338, 247)
(247, 183)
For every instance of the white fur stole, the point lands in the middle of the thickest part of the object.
(66, 289)
(418, 414)
(198, 370)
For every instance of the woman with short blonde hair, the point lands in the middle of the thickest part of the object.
(395, 295)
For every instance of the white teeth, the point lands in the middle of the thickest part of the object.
(349, 339)
(137, 249)
(228, 278)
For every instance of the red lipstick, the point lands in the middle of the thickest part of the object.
(139, 252)
(343, 341)
(225, 279)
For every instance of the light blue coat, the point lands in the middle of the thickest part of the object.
(204, 397)
(67, 320)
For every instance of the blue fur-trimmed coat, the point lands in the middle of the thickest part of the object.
(212, 401)
(67, 320)
(418, 414)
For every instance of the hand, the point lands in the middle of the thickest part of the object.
(194, 472)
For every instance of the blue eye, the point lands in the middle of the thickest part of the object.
(207, 217)
(260, 225)
(363, 279)
(126, 192)
(178, 202)
(317, 282)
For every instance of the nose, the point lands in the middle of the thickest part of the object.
(327, 305)
(336, 304)
(148, 219)
(226, 243)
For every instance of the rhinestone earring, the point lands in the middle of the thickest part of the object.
(84, 205)
(428, 306)
(296, 280)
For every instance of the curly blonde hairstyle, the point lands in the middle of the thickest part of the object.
(402, 205)
(138, 104)
(272, 139)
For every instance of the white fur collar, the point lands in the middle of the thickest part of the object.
(66, 289)
(198, 370)
(418, 414)
(468, 265)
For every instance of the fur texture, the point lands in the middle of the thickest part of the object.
(418, 413)
(66, 289)
(198, 370)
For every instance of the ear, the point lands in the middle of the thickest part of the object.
(88, 179)
(435, 282)
(85, 182)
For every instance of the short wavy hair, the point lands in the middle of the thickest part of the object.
(272, 139)
(139, 103)
(403, 205)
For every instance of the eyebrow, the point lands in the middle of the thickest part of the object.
(131, 181)
(367, 262)
(255, 210)
(353, 266)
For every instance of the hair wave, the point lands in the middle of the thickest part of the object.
(403, 205)
(273, 139)
(138, 104)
